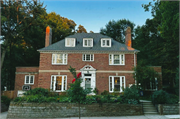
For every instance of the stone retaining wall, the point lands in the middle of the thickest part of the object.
(58, 110)
(165, 109)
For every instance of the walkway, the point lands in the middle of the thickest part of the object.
(3, 115)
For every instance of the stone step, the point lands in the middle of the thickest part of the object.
(150, 113)
(150, 110)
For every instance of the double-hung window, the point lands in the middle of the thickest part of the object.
(105, 42)
(70, 42)
(58, 83)
(117, 83)
(87, 42)
(29, 79)
(88, 57)
(116, 59)
(59, 59)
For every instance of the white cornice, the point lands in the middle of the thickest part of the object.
(99, 71)
(91, 52)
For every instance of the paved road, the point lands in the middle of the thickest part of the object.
(3, 115)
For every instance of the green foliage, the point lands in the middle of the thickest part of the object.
(116, 29)
(105, 92)
(76, 93)
(5, 100)
(95, 91)
(144, 75)
(162, 97)
(38, 91)
(131, 93)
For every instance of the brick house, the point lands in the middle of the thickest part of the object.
(104, 63)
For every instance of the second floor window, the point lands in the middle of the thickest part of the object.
(88, 57)
(87, 42)
(59, 59)
(116, 59)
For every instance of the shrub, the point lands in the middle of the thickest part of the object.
(5, 100)
(160, 97)
(131, 93)
(105, 92)
(38, 91)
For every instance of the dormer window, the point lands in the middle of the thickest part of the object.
(105, 42)
(87, 42)
(70, 42)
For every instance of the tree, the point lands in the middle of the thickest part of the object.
(81, 29)
(76, 92)
(145, 75)
(17, 18)
(116, 29)
(91, 32)
(61, 27)
(165, 24)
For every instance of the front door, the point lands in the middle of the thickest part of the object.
(87, 83)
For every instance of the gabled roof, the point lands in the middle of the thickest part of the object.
(115, 46)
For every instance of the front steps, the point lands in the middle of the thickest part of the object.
(148, 107)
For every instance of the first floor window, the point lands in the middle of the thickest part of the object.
(116, 59)
(117, 83)
(88, 57)
(152, 85)
(58, 83)
(29, 79)
(59, 58)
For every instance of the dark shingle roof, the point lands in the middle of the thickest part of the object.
(115, 46)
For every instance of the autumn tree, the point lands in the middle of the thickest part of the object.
(116, 29)
(61, 26)
(81, 29)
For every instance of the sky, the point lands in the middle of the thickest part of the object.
(95, 14)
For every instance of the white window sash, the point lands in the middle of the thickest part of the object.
(120, 77)
(84, 57)
(111, 58)
(54, 83)
(71, 42)
(64, 59)
(89, 42)
(29, 79)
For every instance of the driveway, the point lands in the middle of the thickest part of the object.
(3, 115)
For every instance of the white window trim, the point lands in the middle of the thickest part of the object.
(62, 83)
(112, 56)
(85, 57)
(56, 59)
(29, 80)
(120, 83)
(105, 42)
(87, 42)
(70, 45)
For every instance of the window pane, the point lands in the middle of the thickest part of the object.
(87, 57)
(68, 42)
(107, 42)
(110, 59)
(53, 58)
(85, 42)
(110, 84)
(64, 82)
(116, 83)
(31, 81)
(59, 58)
(104, 42)
(65, 58)
(123, 83)
(122, 60)
(58, 82)
(72, 42)
(87, 74)
(91, 57)
(27, 79)
(89, 43)
(52, 83)
(84, 57)
(87, 83)
(116, 59)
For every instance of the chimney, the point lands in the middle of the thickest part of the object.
(128, 37)
(48, 39)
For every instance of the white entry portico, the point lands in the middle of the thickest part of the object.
(88, 74)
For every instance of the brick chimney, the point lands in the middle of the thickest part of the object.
(128, 37)
(48, 39)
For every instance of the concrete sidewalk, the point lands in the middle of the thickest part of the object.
(3, 115)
